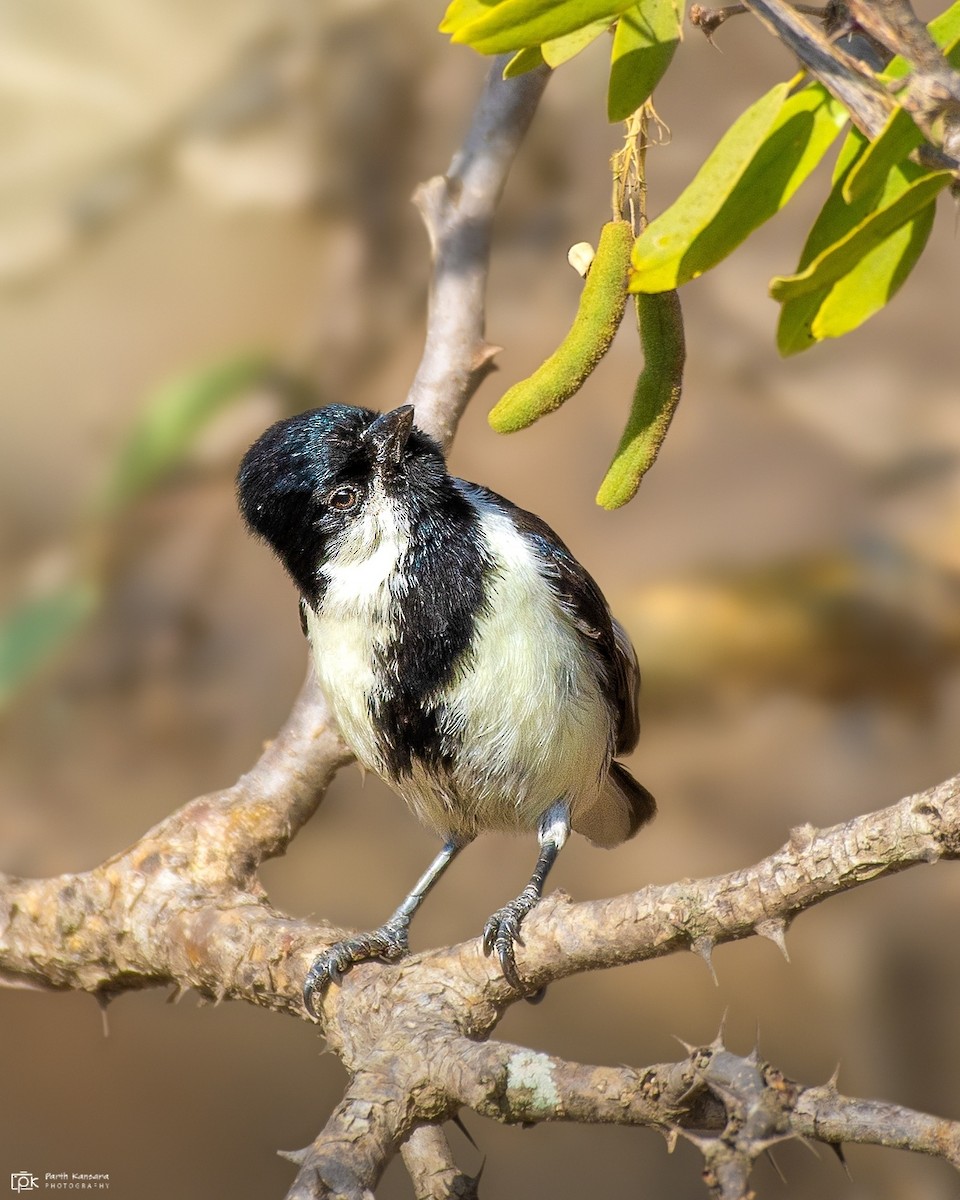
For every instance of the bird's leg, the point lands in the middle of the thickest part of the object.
(502, 930)
(389, 942)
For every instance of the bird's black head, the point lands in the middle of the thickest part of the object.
(308, 479)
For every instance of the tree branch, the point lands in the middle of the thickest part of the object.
(184, 906)
(763, 899)
(458, 210)
(844, 76)
(930, 93)
(432, 1170)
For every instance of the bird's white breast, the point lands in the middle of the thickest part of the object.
(524, 704)
(536, 726)
(362, 583)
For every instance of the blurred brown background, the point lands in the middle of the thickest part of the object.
(186, 182)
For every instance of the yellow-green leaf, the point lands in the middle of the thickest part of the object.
(34, 632)
(857, 256)
(892, 144)
(875, 279)
(513, 24)
(462, 12)
(173, 417)
(751, 174)
(843, 255)
(523, 61)
(643, 46)
(900, 135)
(560, 50)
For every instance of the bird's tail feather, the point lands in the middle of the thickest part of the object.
(622, 807)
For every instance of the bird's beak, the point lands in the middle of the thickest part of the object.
(388, 435)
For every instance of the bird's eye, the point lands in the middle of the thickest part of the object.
(344, 498)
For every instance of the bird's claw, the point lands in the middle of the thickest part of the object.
(388, 943)
(501, 934)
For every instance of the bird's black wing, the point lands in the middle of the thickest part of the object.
(585, 604)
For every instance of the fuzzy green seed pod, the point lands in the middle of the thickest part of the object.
(599, 314)
(660, 325)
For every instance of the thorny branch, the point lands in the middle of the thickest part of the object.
(184, 906)
(930, 93)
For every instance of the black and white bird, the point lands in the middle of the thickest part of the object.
(469, 659)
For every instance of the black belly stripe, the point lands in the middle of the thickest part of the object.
(445, 572)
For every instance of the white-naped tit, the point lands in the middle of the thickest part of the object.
(468, 658)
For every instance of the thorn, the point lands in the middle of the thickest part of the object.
(717, 1043)
(764, 1145)
(831, 1083)
(754, 1057)
(458, 1121)
(298, 1157)
(686, 1045)
(102, 1001)
(776, 1166)
(484, 355)
(671, 1136)
(703, 1142)
(774, 930)
(837, 1148)
(704, 947)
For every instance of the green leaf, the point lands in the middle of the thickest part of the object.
(857, 256)
(560, 50)
(900, 135)
(856, 287)
(174, 415)
(523, 61)
(844, 254)
(875, 279)
(34, 632)
(462, 12)
(514, 24)
(892, 144)
(751, 174)
(643, 46)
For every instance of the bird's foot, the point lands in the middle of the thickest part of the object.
(502, 933)
(388, 943)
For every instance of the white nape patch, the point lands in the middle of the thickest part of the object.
(536, 728)
(354, 620)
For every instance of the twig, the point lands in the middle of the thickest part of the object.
(842, 75)
(458, 210)
(931, 93)
(432, 1170)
